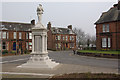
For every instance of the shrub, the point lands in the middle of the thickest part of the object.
(4, 51)
(26, 51)
(13, 52)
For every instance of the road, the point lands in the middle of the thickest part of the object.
(69, 63)
(67, 57)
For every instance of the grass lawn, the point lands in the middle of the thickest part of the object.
(97, 51)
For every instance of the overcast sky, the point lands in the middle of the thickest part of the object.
(61, 14)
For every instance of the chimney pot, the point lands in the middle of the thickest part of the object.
(33, 22)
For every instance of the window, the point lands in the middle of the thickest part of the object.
(56, 37)
(109, 43)
(0, 46)
(20, 35)
(30, 47)
(30, 43)
(0, 35)
(70, 38)
(66, 38)
(14, 35)
(107, 28)
(59, 37)
(59, 45)
(56, 46)
(7, 35)
(30, 35)
(104, 42)
(4, 35)
(71, 45)
(26, 35)
(103, 27)
(63, 38)
(3, 45)
(27, 45)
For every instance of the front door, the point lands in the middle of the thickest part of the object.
(14, 45)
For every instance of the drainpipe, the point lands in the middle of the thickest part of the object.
(116, 34)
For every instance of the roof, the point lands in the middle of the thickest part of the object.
(113, 14)
(15, 26)
(57, 30)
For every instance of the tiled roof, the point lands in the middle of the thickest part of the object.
(112, 14)
(56, 30)
(15, 26)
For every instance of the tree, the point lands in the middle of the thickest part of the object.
(84, 39)
(80, 36)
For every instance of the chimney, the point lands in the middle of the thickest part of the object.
(115, 5)
(70, 27)
(49, 25)
(118, 5)
(33, 22)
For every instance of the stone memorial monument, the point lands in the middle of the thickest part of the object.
(39, 56)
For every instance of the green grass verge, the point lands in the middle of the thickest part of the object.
(97, 51)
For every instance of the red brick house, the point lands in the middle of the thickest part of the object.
(16, 36)
(108, 29)
(61, 38)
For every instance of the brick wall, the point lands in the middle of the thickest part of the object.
(114, 34)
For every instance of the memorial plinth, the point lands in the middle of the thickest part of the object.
(39, 56)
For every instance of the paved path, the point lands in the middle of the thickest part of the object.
(69, 63)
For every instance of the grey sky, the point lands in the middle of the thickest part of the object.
(60, 14)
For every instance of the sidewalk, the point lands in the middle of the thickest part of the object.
(61, 69)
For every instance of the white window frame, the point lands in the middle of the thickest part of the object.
(70, 38)
(104, 43)
(66, 38)
(63, 38)
(27, 35)
(20, 35)
(107, 28)
(4, 35)
(109, 42)
(30, 35)
(14, 35)
(30, 47)
(103, 28)
(59, 37)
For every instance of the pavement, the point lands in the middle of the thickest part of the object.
(69, 63)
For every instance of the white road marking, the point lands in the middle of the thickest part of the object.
(14, 60)
(35, 74)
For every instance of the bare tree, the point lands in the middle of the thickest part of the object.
(84, 39)
(80, 36)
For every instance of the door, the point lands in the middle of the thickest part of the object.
(14, 45)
